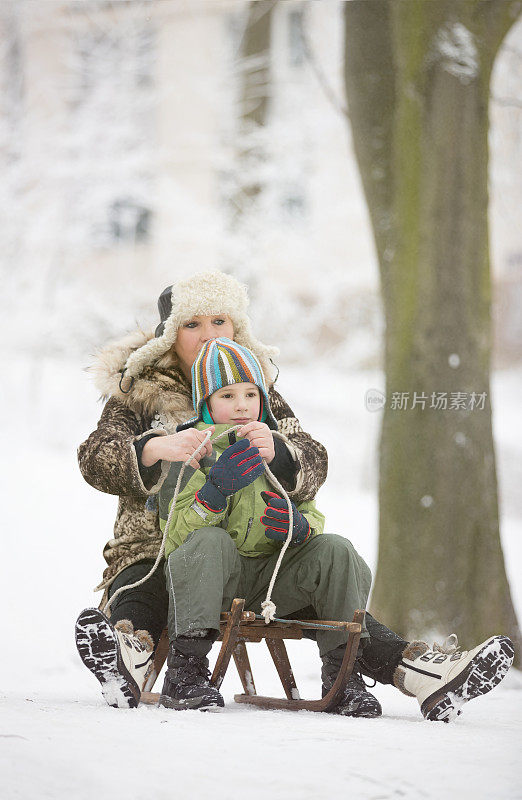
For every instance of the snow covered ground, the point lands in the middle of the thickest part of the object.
(58, 738)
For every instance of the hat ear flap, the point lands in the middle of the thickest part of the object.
(205, 413)
(262, 407)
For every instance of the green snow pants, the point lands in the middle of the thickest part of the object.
(206, 572)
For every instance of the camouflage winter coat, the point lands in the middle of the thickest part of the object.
(160, 399)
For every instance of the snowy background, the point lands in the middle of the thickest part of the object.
(58, 738)
(96, 219)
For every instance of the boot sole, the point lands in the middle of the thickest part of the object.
(366, 706)
(357, 711)
(367, 710)
(99, 649)
(483, 673)
(188, 704)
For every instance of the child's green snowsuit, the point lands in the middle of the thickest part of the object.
(214, 557)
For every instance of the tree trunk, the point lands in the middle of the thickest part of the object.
(254, 96)
(417, 80)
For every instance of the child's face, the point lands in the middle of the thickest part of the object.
(236, 404)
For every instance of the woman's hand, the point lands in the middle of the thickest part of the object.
(260, 436)
(176, 447)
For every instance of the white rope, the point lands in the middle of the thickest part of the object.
(267, 605)
(165, 532)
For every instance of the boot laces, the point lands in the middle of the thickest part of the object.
(132, 643)
(358, 679)
(355, 681)
(190, 669)
(449, 646)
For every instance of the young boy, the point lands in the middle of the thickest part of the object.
(226, 532)
(224, 538)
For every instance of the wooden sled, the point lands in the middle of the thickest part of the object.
(239, 627)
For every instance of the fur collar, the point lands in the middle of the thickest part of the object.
(162, 390)
(159, 388)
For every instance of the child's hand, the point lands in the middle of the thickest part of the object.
(259, 435)
(276, 520)
(238, 466)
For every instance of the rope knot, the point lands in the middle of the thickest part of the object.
(268, 610)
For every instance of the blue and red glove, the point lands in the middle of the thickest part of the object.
(237, 467)
(276, 520)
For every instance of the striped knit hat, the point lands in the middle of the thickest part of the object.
(222, 362)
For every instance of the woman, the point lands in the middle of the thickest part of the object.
(145, 379)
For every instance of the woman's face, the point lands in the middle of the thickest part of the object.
(192, 335)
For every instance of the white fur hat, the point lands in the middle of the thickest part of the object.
(202, 294)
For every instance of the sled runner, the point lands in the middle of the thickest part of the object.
(239, 627)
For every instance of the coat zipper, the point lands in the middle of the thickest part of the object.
(250, 521)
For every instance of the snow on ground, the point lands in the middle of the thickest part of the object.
(58, 738)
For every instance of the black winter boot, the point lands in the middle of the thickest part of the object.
(187, 680)
(357, 700)
(381, 653)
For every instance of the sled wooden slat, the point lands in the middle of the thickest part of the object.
(238, 627)
(247, 617)
(161, 653)
(256, 634)
(150, 698)
(346, 626)
(243, 667)
(229, 635)
(279, 655)
(160, 656)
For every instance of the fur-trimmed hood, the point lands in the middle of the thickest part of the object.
(160, 388)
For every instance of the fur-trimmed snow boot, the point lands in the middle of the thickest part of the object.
(357, 700)
(187, 679)
(117, 655)
(443, 678)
